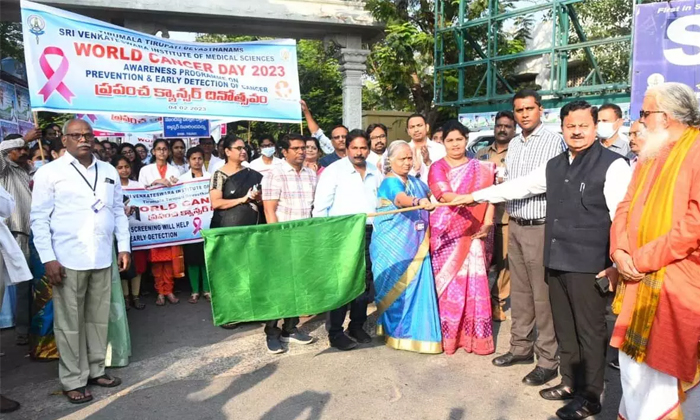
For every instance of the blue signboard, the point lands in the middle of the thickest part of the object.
(185, 127)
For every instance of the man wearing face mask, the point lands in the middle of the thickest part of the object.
(609, 123)
(267, 161)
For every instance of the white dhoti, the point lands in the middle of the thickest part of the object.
(648, 394)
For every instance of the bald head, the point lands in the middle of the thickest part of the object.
(78, 139)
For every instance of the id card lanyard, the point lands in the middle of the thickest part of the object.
(98, 204)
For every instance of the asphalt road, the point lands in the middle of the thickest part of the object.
(184, 368)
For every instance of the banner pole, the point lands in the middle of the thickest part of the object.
(35, 115)
(301, 127)
(249, 140)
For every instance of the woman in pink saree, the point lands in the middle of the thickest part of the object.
(461, 243)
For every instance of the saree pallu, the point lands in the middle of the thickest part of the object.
(403, 277)
(42, 344)
(460, 264)
(118, 337)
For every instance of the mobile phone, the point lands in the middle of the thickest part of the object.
(603, 285)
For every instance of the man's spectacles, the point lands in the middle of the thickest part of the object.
(379, 137)
(635, 134)
(298, 149)
(78, 136)
(339, 137)
(644, 114)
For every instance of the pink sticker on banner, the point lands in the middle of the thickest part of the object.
(55, 78)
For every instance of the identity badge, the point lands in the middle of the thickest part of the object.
(419, 225)
(97, 205)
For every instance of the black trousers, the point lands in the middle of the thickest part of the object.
(578, 310)
(358, 307)
(288, 327)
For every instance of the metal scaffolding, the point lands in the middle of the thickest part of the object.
(472, 70)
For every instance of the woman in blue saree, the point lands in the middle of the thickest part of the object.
(403, 276)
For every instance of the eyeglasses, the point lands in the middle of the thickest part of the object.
(239, 148)
(635, 134)
(379, 137)
(298, 149)
(78, 136)
(339, 137)
(127, 152)
(644, 114)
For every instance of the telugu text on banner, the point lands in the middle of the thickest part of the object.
(167, 216)
(82, 65)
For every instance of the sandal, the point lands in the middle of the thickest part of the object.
(136, 303)
(172, 299)
(193, 298)
(113, 381)
(207, 296)
(160, 301)
(80, 400)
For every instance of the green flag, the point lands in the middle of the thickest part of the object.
(282, 270)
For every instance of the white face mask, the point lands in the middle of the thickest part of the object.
(38, 164)
(606, 130)
(267, 151)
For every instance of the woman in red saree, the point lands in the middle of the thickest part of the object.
(461, 243)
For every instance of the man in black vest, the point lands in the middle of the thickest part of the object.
(584, 185)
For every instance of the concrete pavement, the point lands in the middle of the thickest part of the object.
(184, 368)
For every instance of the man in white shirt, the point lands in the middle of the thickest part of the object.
(76, 212)
(637, 133)
(377, 135)
(349, 186)
(267, 161)
(584, 186)
(425, 151)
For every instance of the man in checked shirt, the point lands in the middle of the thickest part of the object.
(532, 329)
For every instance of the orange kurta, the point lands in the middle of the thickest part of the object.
(675, 332)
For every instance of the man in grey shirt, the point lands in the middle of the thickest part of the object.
(609, 123)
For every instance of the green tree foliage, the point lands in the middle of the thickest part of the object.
(319, 80)
(402, 64)
(11, 44)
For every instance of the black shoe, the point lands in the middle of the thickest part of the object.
(342, 342)
(539, 376)
(560, 392)
(7, 405)
(360, 336)
(509, 359)
(579, 408)
(615, 363)
(274, 345)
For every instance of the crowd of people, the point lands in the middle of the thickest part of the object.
(564, 221)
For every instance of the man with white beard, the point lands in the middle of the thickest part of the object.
(655, 243)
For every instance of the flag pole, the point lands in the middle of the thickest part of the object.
(405, 209)
(41, 146)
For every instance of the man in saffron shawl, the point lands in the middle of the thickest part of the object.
(655, 242)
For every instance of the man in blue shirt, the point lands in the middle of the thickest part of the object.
(349, 186)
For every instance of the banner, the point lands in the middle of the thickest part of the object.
(24, 107)
(123, 123)
(281, 270)
(665, 47)
(82, 65)
(8, 102)
(167, 216)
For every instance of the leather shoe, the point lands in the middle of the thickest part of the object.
(539, 376)
(360, 336)
(560, 392)
(342, 342)
(509, 359)
(579, 408)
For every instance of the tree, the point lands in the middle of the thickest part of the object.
(401, 65)
(11, 43)
(319, 82)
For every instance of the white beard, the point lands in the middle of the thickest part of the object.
(654, 141)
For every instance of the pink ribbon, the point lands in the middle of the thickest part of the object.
(91, 117)
(197, 222)
(55, 79)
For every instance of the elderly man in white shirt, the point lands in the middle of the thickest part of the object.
(349, 186)
(425, 151)
(76, 212)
